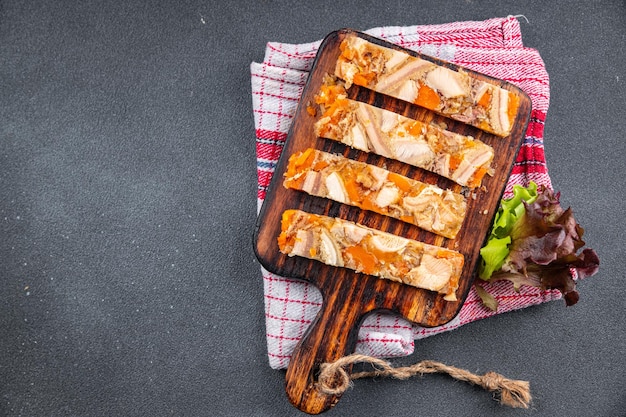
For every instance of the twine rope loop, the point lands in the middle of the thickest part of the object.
(335, 380)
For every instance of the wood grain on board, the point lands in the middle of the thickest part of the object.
(349, 296)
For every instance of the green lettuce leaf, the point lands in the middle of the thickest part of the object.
(511, 210)
(535, 242)
(493, 255)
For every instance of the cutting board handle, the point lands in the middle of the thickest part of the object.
(332, 335)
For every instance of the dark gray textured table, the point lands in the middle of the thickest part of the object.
(128, 284)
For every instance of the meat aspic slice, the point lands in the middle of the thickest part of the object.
(461, 158)
(376, 189)
(342, 243)
(455, 94)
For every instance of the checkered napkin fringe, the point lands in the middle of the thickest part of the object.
(493, 47)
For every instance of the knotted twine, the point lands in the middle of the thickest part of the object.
(335, 380)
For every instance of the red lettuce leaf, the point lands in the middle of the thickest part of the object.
(545, 240)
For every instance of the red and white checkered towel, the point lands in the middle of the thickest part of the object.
(493, 47)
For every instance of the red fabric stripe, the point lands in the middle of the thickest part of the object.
(529, 169)
(264, 178)
(262, 93)
(276, 113)
(282, 318)
(474, 39)
(272, 47)
(291, 300)
(531, 153)
(538, 115)
(536, 124)
(270, 134)
(269, 151)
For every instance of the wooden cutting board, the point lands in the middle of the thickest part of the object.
(348, 296)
